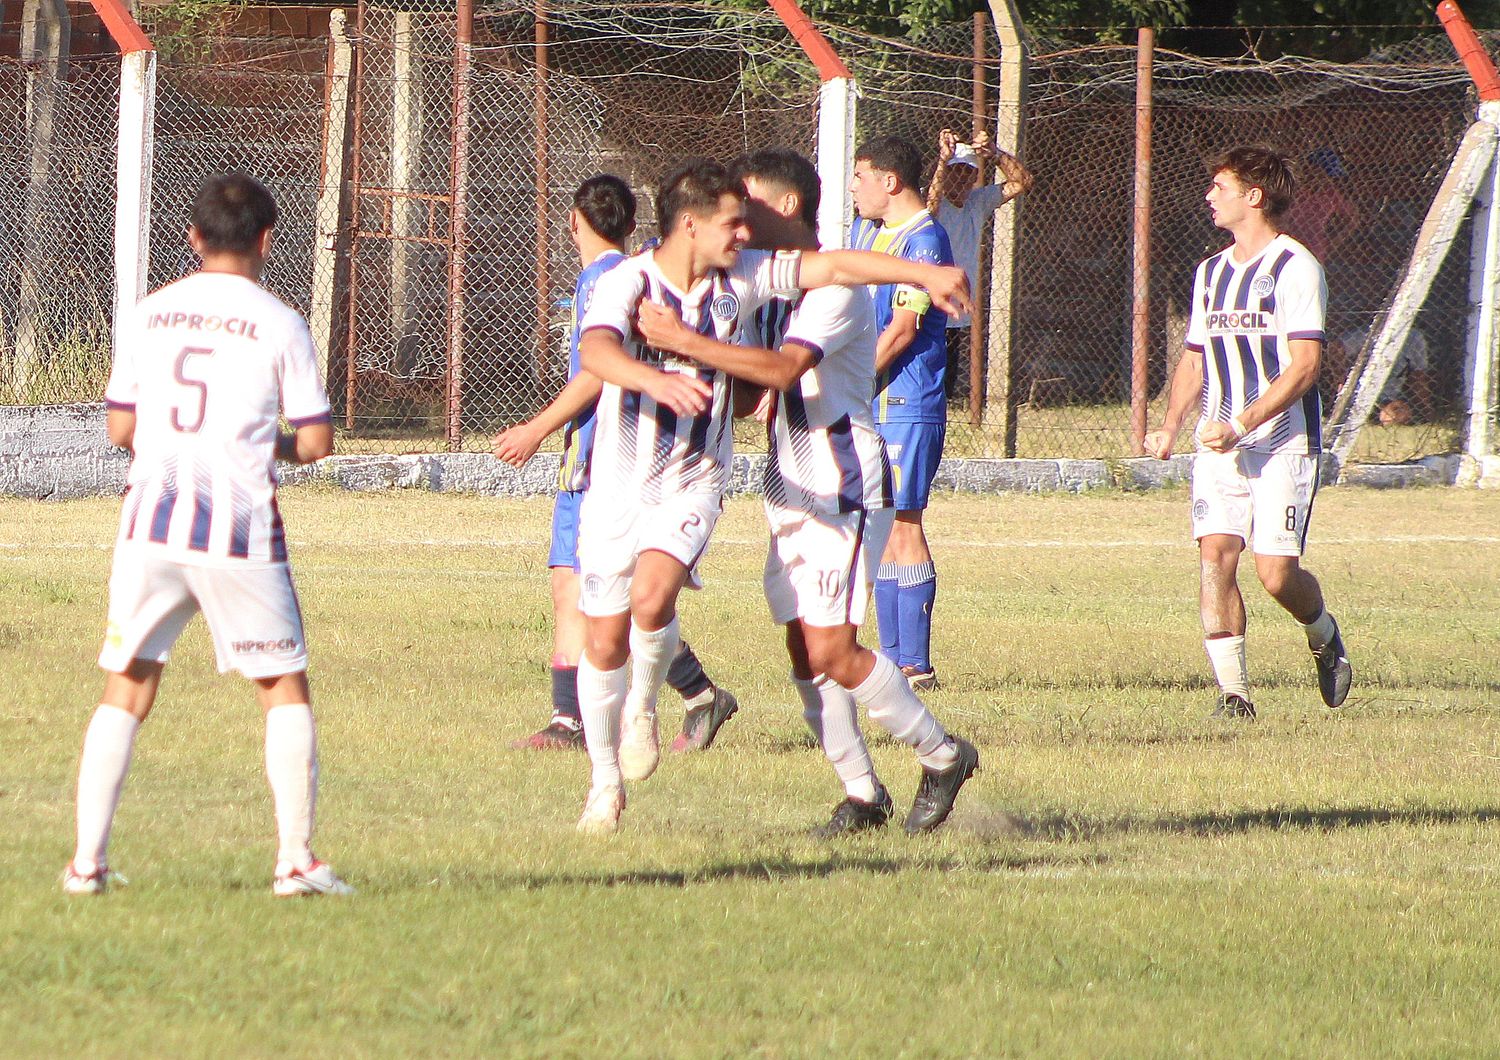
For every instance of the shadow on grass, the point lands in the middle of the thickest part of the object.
(1067, 826)
(771, 870)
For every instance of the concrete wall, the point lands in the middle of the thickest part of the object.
(55, 452)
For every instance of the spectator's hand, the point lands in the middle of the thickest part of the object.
(518, 444)
(686, 395)
(662, 328)
(947, 144)
(1159, 443)
(1218, 436)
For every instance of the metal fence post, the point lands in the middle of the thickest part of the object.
(1140, 329)
(457, 246)
(1010, 125)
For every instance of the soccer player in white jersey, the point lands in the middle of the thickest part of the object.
(1254, 345)
(662, 449)
(602, 217)
(204, 369)
(829, 500)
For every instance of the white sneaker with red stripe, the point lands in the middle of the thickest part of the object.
(317, 878)
(96, 882)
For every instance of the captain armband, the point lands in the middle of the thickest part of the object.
(786, 273)
(912, 299)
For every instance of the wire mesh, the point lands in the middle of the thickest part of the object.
(633, 89)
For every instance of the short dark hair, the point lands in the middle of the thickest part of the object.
(893, 155)
(695, 186)
(1259, 166)
(232, 211)
(787, 169)
(607, 204)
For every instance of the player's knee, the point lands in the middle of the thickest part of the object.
(1278, 578)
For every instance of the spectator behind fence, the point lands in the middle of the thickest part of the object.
(1323, 218)
(1407, 394)
(962, 205)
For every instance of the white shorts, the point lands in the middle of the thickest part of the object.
(613, 532)
(820, 568)
(1264, 499)
(251, 609)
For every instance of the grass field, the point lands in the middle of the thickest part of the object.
(1123, 878)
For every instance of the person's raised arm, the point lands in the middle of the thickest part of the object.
(947, 143)
(946, 284)
(1018, 179)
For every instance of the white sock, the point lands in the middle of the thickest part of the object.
(833, 717)
(1227, 656)
(895, 708)
(107, 744)
(1319, 631)
(601, 698)
(651, 655)
(292, 770)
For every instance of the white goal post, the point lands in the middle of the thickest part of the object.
(1472, 180)
(135, 139)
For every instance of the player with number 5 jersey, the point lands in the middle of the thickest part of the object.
(203, 371)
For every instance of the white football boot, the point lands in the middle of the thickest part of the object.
(317, 878)
(640, 742)
(602, 809)
(96, 882)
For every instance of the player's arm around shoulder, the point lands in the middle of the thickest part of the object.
(946, 284)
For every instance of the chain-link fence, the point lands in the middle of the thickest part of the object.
(57, 187)
(631, 90)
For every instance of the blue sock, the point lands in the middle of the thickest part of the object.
(918, 591)
(686, 674)
(888, 612)
(565, 692)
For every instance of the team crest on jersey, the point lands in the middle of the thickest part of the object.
(725, 307)
(1263, 285)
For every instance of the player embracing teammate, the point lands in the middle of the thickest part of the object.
(662, 448)
(828, 499)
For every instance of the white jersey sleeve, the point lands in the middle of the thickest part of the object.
(822, 316)
(304, 401)
(613, 306)
(124, 387)
(1301, 299)
(1197, 331)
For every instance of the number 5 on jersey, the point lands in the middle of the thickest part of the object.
(190, 424)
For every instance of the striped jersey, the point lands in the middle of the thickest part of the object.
(1243, 317)
(578, 435)
(910, 390)
(643, 450)
(824, 455)
(208, 364)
